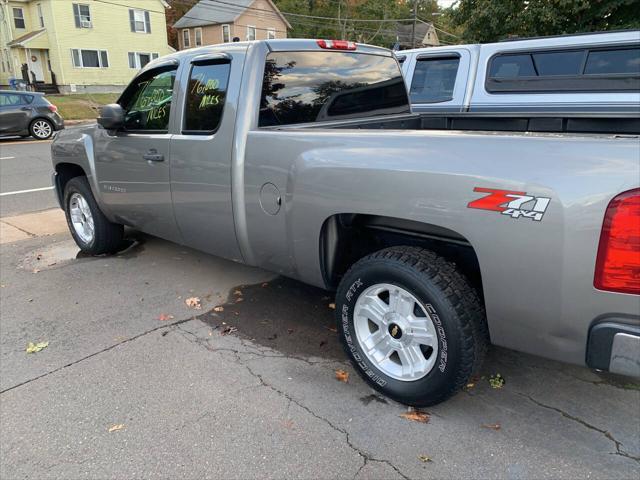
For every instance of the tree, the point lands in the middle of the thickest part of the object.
(177, 9)
(493, 20)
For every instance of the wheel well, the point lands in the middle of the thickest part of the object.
(64, 173)
(345, 238)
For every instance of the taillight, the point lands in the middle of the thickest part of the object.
(336, 44)
(53, 108)
(618, 262)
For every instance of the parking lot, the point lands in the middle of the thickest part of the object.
(136, 384)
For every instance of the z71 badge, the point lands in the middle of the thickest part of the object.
(509, 202)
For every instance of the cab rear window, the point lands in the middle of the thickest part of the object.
(303, 87)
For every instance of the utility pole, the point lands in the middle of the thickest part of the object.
(415, 19)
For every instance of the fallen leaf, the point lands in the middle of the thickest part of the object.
(342, 375)
(416, 416)
(332, 329)
(239, 299)
(115, 428)
(471, 385)
(228, 330)
(193, 302)
(265, 284)
(237, 292)
(36, 347)
(323, 343)
(492, 426)
(332, 306)
(164, 317)
(218, 309)
(289, 331)
(39, 256)
(424, 459)
(496, 381)
(36, 270)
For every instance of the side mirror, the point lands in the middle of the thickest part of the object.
(111, 117)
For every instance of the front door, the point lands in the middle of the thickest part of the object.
(15, 113)
(133, 163)
(35, 58)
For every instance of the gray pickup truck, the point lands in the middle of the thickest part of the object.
(303, 157)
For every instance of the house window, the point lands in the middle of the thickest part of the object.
(186, 39)
(198, 36)
(40, 16)
(251, 33)
(271, 33)
(226, 33)
(89, 58)
(140, 21)
(82, 15)
(139, 60)
(18, 18)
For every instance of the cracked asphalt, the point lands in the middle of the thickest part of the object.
(249, 391)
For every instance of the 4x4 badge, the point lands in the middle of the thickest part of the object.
(509, 202)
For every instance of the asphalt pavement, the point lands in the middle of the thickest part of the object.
(25, 176)
(134, 383)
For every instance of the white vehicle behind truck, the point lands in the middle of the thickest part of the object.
(597, 72)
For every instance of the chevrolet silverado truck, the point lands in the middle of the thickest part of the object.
(303, 157)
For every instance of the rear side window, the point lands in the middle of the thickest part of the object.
(625, 61)
(206, 94)
(583, 70)
(313, 86)
(434, 79)
(147, 101)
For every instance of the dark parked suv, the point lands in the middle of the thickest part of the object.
(28, 113)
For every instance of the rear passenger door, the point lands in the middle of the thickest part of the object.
(438, 81)
(201, 154)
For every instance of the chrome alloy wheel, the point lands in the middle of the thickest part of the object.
(42, 129)
(81, 218)
(395, 332)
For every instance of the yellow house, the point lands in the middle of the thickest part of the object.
(79, 45)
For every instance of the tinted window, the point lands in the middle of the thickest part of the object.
(614, 61)
(9, 99)
(147, 101)
(301, 87)
(510, 66)
(90, 58)
(434, 79)
(205, 96)
(559, 63)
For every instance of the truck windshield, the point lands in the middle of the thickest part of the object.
(302, 87)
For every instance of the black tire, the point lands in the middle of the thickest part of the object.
(107, 237)
(462, 339)
(35, 132)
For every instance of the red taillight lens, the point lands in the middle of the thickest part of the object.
(336, 44)
(53, 108)
(618, 262)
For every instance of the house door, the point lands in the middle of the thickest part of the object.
(35, 58)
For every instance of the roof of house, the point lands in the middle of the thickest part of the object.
(25, 38)
(404, 33)
(203, 13)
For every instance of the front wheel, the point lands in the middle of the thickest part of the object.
(41, 129)
(91, 230)
(411, 324)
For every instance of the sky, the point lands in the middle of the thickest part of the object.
(445, 3)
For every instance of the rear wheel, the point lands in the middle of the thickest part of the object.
(41, 129)
(412, 325)
(91, 230)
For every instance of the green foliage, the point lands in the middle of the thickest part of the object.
(493, 20)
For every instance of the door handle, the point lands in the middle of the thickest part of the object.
(25, 109)
(153, 156)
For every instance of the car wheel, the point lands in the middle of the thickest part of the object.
(411, 323)
(91, 230)
(41, 129)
